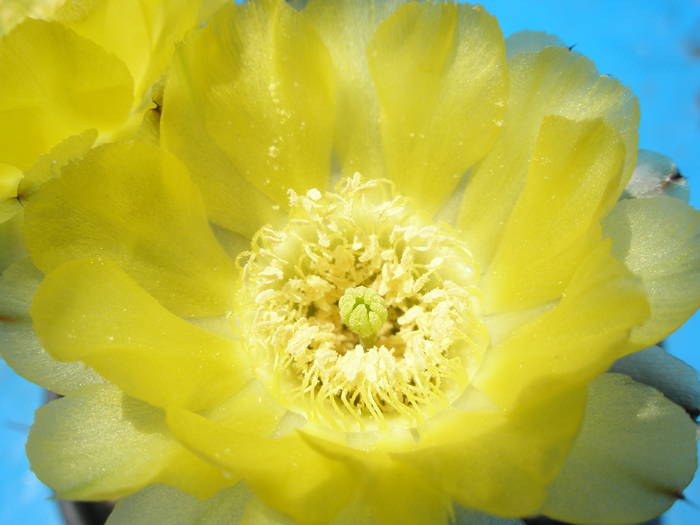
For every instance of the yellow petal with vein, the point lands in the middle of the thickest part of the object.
(285, 472)
(19, 345)
(232, 201)
(96, 443)
(574, 168)
(553, 81)
(346, 27)
(659, 241)
(50, 164)
(268, 96)
(55, 84)
(635, 454)
(136, 205)
(572, 342)
(141, 33)
(500, 462)
(440, 75)
(91, 311)
(11, 242)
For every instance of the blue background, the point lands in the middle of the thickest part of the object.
(652, 46)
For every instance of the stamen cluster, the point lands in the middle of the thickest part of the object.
(361, 236)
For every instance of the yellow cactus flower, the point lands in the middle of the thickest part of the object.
(375, 272)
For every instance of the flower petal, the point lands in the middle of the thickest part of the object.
(136, 205)
(346, 27)
(530, 42)
(231, 201)
(453, 59)
(655, 367)
(19, 345)
(284, 471)
(268, 96)
(160, 504)
(55, 84)
(97, 444)
(11, 242)
(572, 342)
(141, 33)
(659, 241)
(500, 462)
(89, 310)
(553, 81)
(554, 222)
(633, 457)
(50, 164)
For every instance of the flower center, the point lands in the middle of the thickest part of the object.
(363, 311)
(360, 314)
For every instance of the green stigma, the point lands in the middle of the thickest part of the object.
(362, 310)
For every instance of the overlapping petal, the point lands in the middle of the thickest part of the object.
(136, 205)
(552, 81)
(453, 58)
(232, 201)
(500, 462)
(89, 310)
(572, 342)
(141, 33)
(555, 221)
(659, 241)
(284, 471)
(633, 457)
(19, 345)
(267, 98)
(55, 84)
(97, 443)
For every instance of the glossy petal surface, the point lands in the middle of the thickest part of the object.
(553, 81)
(55, 84)
(19, 345)
(136, 205)
(90, 310)
(659, 241)
(633, 457)
(453, 58)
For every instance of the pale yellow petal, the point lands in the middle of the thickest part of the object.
(659, 241)
(96, 443)
(285, 472)
(553, 81)
(530, 42)
(55, 84)
(136, 205)
(440, 75)
(10, 177)
(500, 462)
(50, 164)
(19, 345)
(555, 221)
(634, 456)
(231, 201)
(141, 33)
(574, 341)
(91, 311)
(673, 377)
(268, 98)
(12, 247)
(159, 504)
(346, 27)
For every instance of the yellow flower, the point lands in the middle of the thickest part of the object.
(297, 308)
